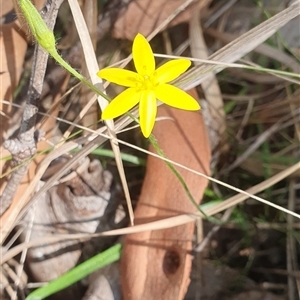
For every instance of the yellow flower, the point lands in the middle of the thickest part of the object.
(147, 85)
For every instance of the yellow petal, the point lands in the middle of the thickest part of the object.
(121, 104)
(147, 110)
(171, 70)
(176, 97)
(143, 56)
(120, 76)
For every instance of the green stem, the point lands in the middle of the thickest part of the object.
(177, 174)
(183, 183)
(65, 65)
(45, 38)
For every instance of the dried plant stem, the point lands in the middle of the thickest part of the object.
(24, 146)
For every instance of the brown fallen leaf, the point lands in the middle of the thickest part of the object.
(13, 46)
(156, 264)
(143, 16)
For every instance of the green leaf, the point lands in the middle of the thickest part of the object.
(98, 261)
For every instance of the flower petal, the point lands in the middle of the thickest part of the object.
(171, 70)
(176, 97)
(147, 110)
(120, 76)
(121, 104)
(143, 57)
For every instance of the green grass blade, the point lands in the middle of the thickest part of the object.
(98, 261)
(133, 159)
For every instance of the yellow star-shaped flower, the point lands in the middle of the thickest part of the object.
(147, 85)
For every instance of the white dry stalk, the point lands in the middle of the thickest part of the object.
(216, 65)
(4, 281)
(264, 49)
(20, 267)
(210, 86)
(92, 66)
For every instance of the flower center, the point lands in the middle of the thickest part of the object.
(148, 82)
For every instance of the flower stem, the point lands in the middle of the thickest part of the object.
(45, 38)
(154, 143)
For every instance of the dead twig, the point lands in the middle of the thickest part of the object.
(23, 147)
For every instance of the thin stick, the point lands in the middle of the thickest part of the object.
(24, 146)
